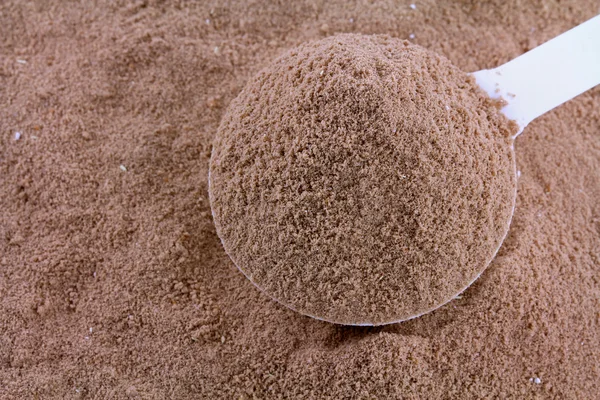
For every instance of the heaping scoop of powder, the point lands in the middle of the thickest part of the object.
(362, 180)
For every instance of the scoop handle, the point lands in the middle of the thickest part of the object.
(548, 75)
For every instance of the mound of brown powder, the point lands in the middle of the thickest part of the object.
(362, 180)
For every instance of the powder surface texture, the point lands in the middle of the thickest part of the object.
(362, 179)
(133, 254)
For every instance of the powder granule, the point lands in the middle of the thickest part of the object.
(362, 180)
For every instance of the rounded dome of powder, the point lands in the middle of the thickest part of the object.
(362, 180)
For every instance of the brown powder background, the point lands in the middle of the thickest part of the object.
(361, 179)
(113, 283)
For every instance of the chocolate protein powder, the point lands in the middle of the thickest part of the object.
(362, 180)
(115, 285)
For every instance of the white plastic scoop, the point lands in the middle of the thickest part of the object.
(531, 85)
(546, 76)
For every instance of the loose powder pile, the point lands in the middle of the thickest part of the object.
(362, 180)
(115, 285)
